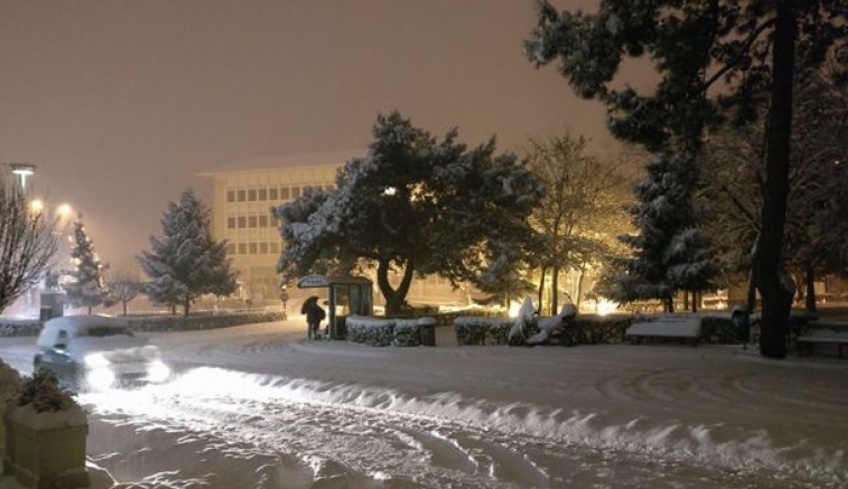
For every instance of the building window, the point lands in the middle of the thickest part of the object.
(295, 192)
(251, 195)
(262, 194)
(231, 195)
(231, 248)
(252, 221)
(263, 221)
(275, 247)
(329, 188)
(231, 223)
(242, 195)
(263, 248)
(242, 248)
(284, 193)
(273, 193)
(252, 248)
(242, 222)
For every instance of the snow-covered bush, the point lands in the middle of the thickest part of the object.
(192, 323)
(20, 328)
(370, 331)
(475, 330)
(384, 332)
(43, 392)
(410, 332)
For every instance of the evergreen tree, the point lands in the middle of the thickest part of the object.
(670, 254)
(417, 206)
(186, 262)
(748, 48)
(86, 287)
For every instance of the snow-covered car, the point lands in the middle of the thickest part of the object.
(96, 353)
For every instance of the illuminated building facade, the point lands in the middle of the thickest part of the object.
(243, 197)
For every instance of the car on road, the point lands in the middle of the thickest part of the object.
(97, 353)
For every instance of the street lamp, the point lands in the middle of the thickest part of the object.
(22, 171)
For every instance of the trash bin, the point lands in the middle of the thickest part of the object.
(427, 329)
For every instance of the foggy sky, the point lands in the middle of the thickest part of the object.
(121, 103)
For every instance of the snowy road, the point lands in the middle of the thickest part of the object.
(259, 406)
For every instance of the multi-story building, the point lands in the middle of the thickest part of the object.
(243, 197)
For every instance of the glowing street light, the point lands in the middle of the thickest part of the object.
(22, 171)
(63, 211)
(36, 206)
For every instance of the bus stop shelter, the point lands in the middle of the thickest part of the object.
(345, 296)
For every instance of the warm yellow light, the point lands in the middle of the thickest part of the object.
(63, 210)
(605, 307)
(36, 206)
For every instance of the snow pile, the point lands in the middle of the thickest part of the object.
(384, 332)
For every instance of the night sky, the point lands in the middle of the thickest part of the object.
(121, 103)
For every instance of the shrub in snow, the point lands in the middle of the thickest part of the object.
(384, 332)
(193, 323)
(43, 392)
(20, 328)
(482, 330)
(370, 331)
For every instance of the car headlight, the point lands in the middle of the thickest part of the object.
(100, 378)
(95, 360)
(158, 371)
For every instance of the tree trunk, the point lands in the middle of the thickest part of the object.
(125, 307)
(580, 277)
(751, 296)
(554, 291)
(685, 300)
(394, 297)
(669, 302)
(186, 307)
(810, 299)
(542, 286)
(767, 260)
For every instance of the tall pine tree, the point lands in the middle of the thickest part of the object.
(186, 262)
(671, 254)
(86, 288)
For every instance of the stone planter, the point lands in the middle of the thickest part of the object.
(46, 450)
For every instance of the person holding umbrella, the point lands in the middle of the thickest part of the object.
(314, 316)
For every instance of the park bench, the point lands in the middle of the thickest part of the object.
(667, 327)
(823, 334)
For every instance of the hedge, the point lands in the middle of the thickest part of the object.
(384, 332)
(157, 323)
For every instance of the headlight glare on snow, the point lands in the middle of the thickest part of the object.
(158, 371)
(96, 360)
(100, 378)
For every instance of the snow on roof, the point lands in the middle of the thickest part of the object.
(334, 158)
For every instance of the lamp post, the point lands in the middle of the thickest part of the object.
(21, 172)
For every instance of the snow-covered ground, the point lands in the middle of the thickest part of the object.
(260, 406)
